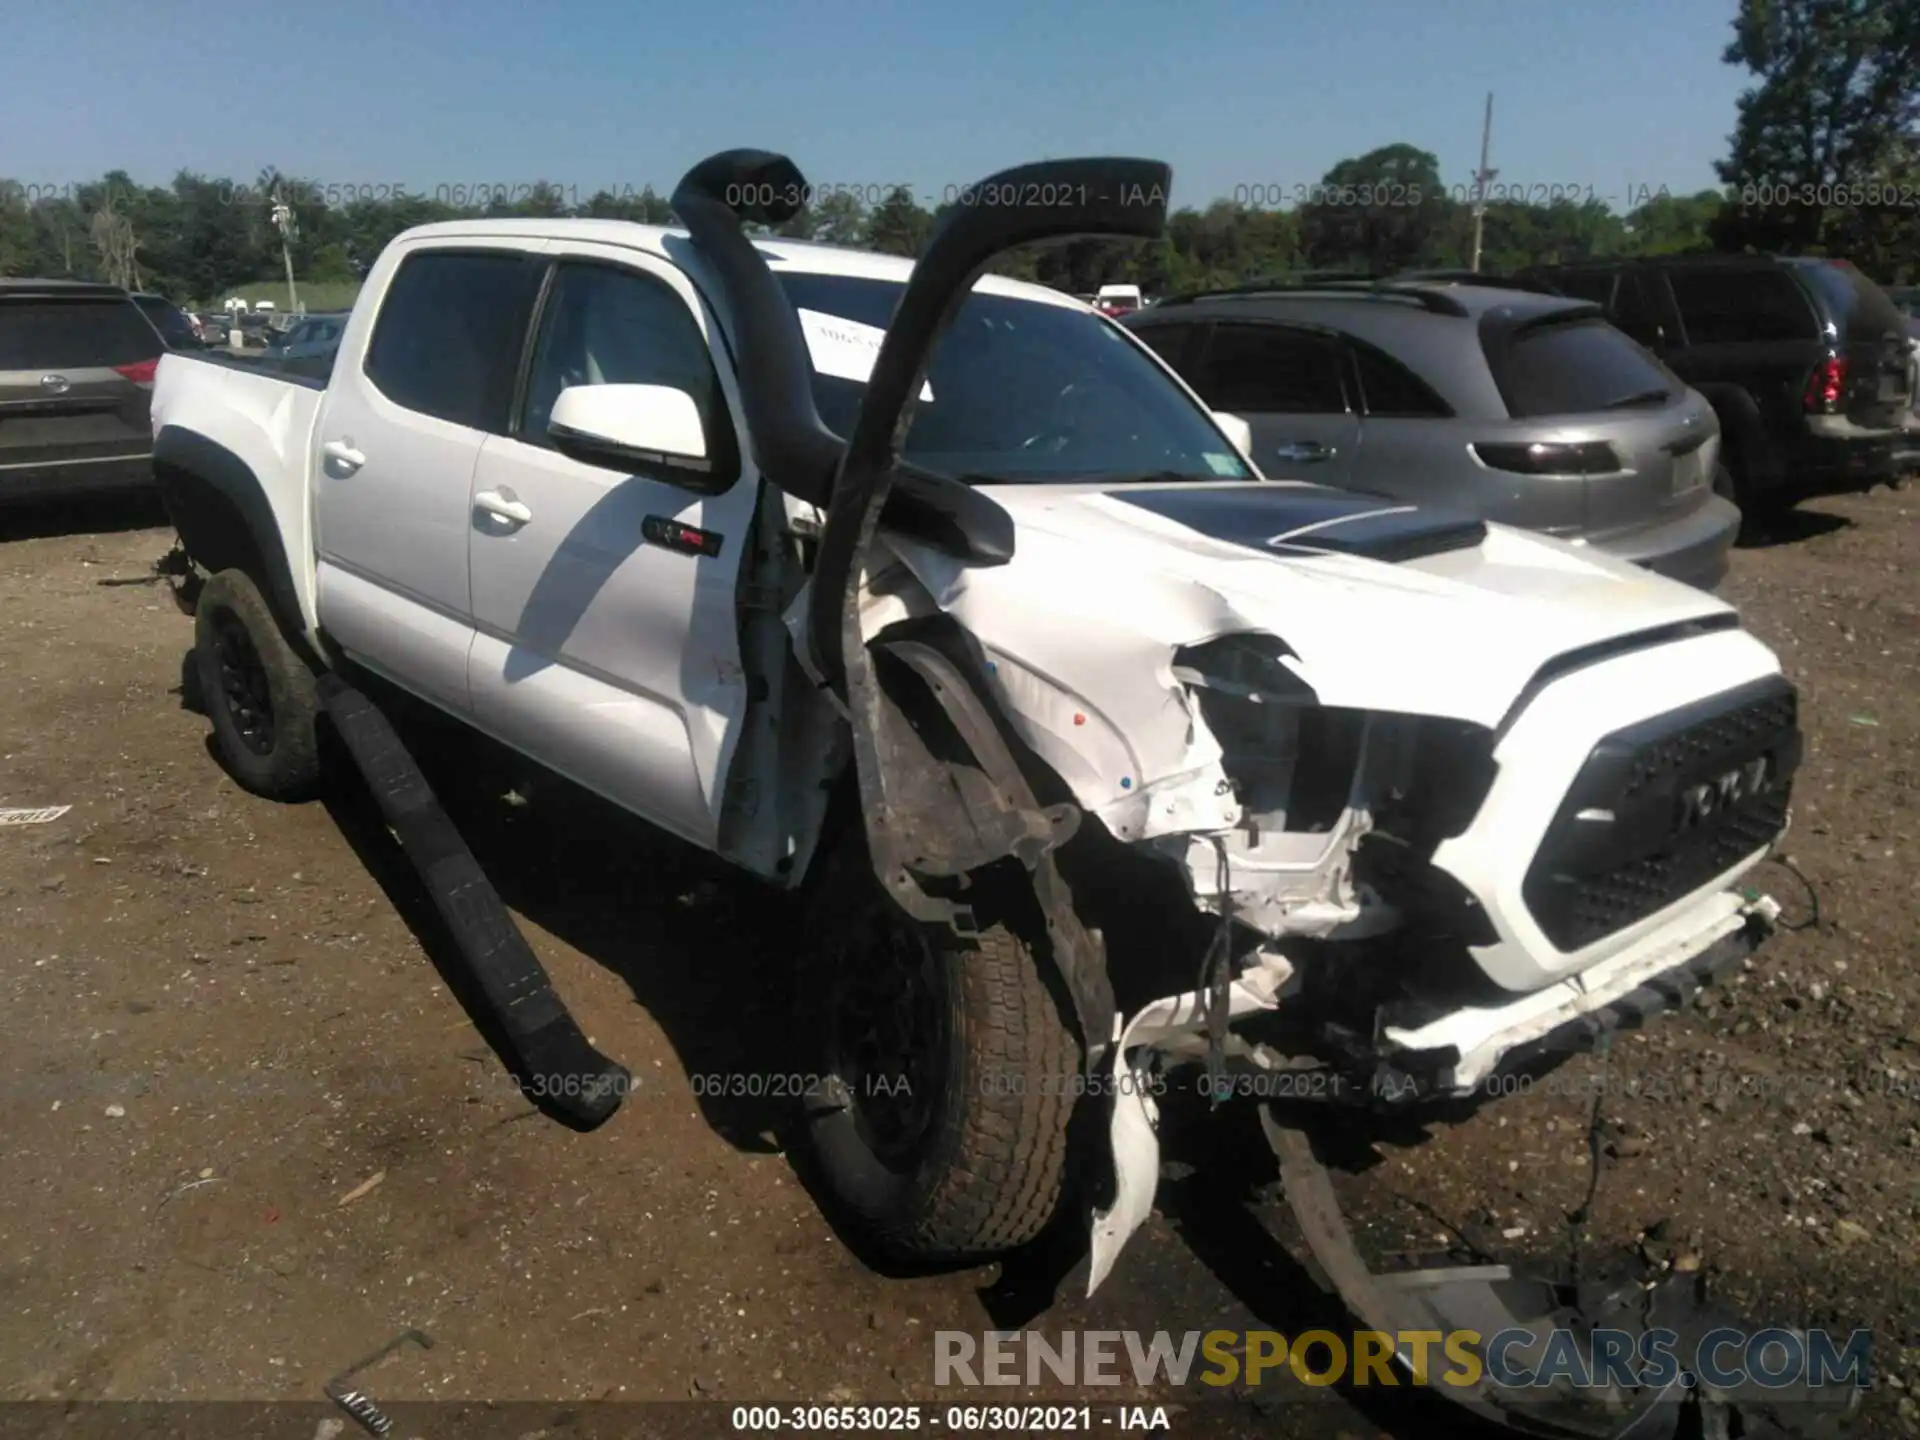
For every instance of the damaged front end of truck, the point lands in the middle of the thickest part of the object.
(1270, 810)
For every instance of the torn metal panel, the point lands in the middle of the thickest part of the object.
(1171, 1025)
(1489, 1300)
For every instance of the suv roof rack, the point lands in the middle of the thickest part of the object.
(1436, 301)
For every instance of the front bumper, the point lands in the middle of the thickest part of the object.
(1452, 1055)
(1458, 1053)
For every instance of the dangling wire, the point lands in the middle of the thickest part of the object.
(1216, 978)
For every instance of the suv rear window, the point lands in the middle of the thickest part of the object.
(1572, 367)
(58, 334)
(1858, 306)
(1736, 306)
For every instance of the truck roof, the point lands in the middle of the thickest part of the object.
(668, 242)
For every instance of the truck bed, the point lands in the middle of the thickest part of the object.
(257, 365)
(264, 417)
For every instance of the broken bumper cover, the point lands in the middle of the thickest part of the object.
(1457, 1053)
(1452, 1056)
(1529, 1321)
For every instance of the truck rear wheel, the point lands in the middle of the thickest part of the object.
(259, 694)
(943, 1075)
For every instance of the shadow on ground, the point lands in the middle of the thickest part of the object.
(1789, 527)
(101, 514)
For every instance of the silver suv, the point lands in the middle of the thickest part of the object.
(1527, 409)
(77, 362)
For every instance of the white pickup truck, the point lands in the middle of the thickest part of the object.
(942, 597)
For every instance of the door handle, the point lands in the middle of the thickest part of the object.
(1305, 451)
(504, 505)
(342, 452)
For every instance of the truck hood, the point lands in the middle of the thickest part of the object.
(1384, 606)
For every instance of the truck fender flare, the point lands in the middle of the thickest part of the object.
(225, 520)
(953, 790)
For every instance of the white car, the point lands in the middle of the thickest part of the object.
(1100, 755)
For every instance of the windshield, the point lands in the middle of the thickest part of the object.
(1017, 390)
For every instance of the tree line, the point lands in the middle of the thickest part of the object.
(1824, 159)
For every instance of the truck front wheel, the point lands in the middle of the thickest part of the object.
(259, 694)
(943, 1075)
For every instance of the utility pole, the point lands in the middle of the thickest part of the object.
(283, 222)
(1481, 179)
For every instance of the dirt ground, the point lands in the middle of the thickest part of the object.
(250, 1136)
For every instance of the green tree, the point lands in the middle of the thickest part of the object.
(1671, 224)
(1383, 211)
(1833, 112)
(898, 225)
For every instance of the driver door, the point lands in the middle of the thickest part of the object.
(606, 647)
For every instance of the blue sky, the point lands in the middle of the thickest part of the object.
(623, 93)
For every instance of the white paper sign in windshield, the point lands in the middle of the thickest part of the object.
(844, 349)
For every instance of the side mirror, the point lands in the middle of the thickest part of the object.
(653, 430)
(1237, 430)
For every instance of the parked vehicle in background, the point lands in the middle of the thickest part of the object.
(1806, 361)
(307, 346)
(77, 362)
(175, 325)
(1512, 406)
(253, 328)
(1117, 299)
(212, 326)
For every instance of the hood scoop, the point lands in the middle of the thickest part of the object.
(1281, 520)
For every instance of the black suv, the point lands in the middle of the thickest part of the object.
(76, 382)
(176, 327)
(1806, 361)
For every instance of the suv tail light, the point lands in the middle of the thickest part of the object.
(1584, 457)
(1826, 385)
(140, 372)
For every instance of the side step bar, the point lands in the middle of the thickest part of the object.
(549, 1056)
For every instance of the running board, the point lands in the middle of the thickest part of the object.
(1485, 1301)
(551, 1059)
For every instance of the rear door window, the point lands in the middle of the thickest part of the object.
(1172, 343)
(1271, 370)
(448, 339)
(60, 334)
(1389, 390)
(1743, 305)
(1572, 367)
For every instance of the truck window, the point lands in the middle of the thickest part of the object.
(448, 338)
(603, 325)
(1017, 390)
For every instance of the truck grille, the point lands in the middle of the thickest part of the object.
(1661, 808)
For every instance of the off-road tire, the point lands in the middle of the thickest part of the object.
(991, 1168)
(230, 609)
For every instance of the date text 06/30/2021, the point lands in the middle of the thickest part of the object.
(966, 1419)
